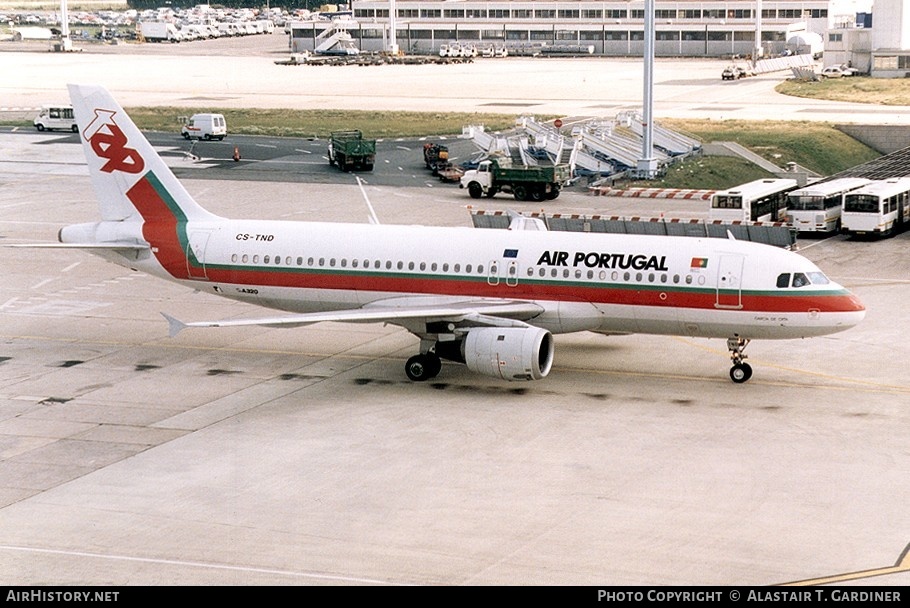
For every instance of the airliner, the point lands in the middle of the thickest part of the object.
(489, 299)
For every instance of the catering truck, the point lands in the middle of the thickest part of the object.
(525, 182)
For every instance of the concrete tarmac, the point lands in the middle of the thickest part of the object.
(304, 457)
(239, 72)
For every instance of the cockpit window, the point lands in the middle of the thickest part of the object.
(801, 279)
(818, 278)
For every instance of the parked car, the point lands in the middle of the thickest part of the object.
(838, 71)
(832, 71)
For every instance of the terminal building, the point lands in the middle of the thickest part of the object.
(683, 28)
(841, 31)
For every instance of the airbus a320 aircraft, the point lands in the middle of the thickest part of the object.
(491, 299)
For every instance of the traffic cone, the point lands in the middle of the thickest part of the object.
(236, 153)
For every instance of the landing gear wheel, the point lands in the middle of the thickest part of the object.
(423, 367)
(741, 372)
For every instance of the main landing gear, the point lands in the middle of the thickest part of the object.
(423, 366)
(740, 372)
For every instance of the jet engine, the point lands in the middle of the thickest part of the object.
(511, 353)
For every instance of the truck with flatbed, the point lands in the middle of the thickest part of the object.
(524, 182)
(350, 151)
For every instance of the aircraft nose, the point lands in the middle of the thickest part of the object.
(853, 311)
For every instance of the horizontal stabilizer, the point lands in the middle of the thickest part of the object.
(87, 246)
(175, 326)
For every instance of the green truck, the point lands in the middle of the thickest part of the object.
(351, 152)
(526, 183)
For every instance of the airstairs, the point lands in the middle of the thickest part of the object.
(336, 40)
(595, 146)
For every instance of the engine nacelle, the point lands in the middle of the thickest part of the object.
(510, 353)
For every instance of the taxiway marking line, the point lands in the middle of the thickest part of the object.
(192, 564)
(902, 565)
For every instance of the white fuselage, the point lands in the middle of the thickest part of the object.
(582, 281)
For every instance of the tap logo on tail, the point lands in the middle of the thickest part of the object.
(109, 142)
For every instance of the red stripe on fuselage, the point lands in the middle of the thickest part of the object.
(160, 228)
(477, 286)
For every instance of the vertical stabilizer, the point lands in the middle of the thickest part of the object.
(123, 165)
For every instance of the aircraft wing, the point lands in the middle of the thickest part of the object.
(398, 312)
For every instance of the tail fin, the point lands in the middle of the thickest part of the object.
(132, 182)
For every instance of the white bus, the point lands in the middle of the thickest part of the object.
(764, 200)
(880, 208)
(817, 208)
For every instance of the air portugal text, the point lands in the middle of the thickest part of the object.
(596, 259)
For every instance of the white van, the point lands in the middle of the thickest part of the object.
(56, 117)
(205, 126)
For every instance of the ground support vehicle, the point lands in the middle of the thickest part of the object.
(436, 157)
(880, 208)
(205, 126)
(350, 151)
(452, 173)
(56, 117)
(534, 183)
(734, 72)
(818, 207)
(762, 200)
(159, 31)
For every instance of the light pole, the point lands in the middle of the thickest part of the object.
(647, 165)
(706, 37)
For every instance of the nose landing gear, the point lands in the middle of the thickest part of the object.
(741, 371)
